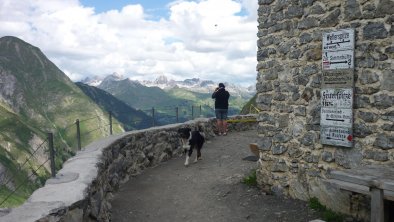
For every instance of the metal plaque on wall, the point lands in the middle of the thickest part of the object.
(338, 60)
(336, 116)
(337, 107)
(337, 136)
(338, 40)
(338, 78)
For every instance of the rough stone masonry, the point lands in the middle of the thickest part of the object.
(82, 189)
(293, 161)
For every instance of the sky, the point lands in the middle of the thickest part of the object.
(141, 40)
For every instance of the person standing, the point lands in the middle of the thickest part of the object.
(221, 96)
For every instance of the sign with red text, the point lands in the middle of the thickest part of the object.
(338, 60)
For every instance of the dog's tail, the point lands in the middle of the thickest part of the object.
(201, 131)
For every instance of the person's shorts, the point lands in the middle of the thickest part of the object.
(221, 114)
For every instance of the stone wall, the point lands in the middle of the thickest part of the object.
(293, 161)
(83, 188)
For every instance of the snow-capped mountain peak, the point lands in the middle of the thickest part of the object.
(97, 80)
(161, 80)
(193, 84)
(198, 85)
(92, 81)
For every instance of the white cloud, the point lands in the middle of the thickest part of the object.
(209, 39)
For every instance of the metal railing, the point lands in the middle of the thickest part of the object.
(156, 117)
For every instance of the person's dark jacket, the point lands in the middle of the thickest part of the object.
(221, 98)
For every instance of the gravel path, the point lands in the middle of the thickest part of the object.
(208, 191)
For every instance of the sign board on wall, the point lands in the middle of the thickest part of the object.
(339, 78)
(338, 60)
(336, 107)
(337, 117)
(338, 40)
(336, 122)
(337, 136)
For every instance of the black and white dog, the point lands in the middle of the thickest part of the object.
(190, 140)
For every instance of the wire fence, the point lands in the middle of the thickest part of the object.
(62, 143)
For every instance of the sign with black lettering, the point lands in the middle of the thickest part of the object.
(337, 136)
(337, 98)
(336, 115)
(338, 60)
(336, 107)
(339, 78)
(338, 40)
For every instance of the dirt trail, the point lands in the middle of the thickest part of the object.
(208, 191)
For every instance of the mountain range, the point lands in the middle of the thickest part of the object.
(195, 84)
(135, 94)
(200, 86)
(165, 96)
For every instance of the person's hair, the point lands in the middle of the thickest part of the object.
(221, 85)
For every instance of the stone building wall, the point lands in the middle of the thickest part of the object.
(293, 161)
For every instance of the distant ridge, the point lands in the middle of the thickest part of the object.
(165, 95)
(194, 84)
(130, 118)
(137, 95)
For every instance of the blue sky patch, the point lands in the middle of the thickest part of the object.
(156, 9)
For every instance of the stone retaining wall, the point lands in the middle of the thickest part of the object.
(83, 188)
(293, 161)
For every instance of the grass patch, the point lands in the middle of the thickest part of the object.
(14, 200)
(250, 180)
(327, 214)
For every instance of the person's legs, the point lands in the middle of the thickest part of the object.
(219, 125)
(224, 122)
(218, 121)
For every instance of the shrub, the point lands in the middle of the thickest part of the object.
(250, 180)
